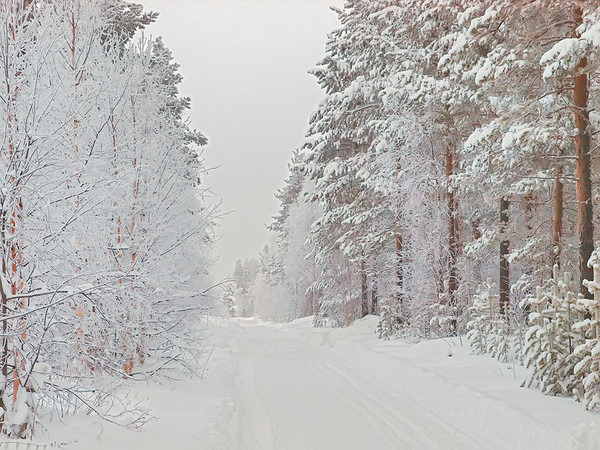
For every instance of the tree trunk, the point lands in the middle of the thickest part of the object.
(127, 351)
(374, 296)
(141, 344)
(15, 242)
(557, 219)
(399, 274)
(477, 278)
(582, 166)
(504, 281)
(529, 214)
(349, 306)
(316, 304)
(364, 290)
(452, 230)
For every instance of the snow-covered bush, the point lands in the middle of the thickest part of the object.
(391, 319)
(443, 320)
(587, 354)
(553, 340)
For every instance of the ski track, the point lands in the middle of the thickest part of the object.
(293, 387)
(280, 372)
(508, 426)
(372, 407)
(256, 426)
(407, 411)
(278, 415)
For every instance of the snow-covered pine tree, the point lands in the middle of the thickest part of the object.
(552, 339)
(485, 305)
(334, 152)
(523, 147)
(292, 226)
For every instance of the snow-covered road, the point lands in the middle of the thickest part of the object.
(271, 386)
(293, 394)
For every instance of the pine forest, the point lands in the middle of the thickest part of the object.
(447, 184)
(431, 278)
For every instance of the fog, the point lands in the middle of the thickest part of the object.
(245, 66)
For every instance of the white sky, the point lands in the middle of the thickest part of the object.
(245, 66)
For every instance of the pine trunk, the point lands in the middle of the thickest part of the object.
(476, 270)
(364, 290)
(452, 230)
(558, 218)
(583, 169)
(504, 281)
(529, 214)
(374, 296)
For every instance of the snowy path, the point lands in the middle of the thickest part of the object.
(303, 388)
(294, 387)
(297, 396)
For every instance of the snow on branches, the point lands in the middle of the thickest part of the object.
(455, 144)
(104, 231)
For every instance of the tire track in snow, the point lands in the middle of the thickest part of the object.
(334, 393)
(441, 432)
(327, 414)
(255, 428)
(523, 430)
(368, 408)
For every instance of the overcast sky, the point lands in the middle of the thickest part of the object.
(245, 66)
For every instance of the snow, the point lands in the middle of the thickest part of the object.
(484, 72)
(565, 55)
(291, 386)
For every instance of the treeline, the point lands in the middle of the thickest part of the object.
(104, 229)
(449, 173)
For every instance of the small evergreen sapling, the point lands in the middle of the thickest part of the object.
(588, 368)
(390, 319)
(551, 340)
(481, 313)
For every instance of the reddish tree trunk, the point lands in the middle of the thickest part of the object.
(582, 167)
(558, 218)
(14, 217)
(452, 230)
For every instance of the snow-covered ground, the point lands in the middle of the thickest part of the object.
(274, 386)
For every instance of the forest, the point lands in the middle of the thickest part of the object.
(445, 188)
(447, 183)
(105, 227)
